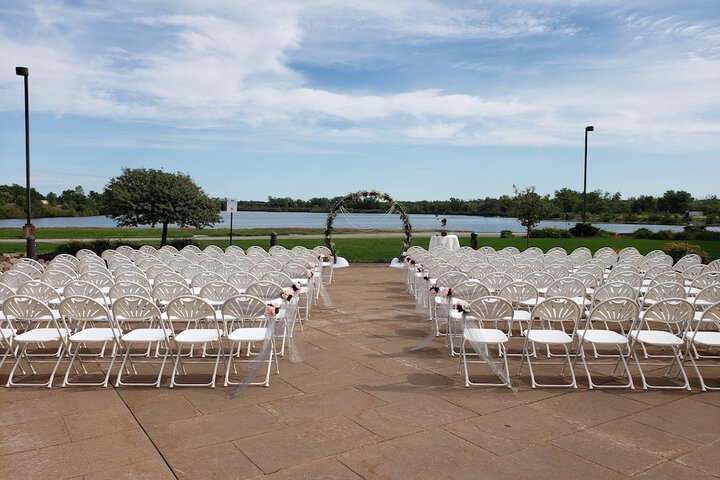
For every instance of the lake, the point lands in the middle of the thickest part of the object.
(359, 221)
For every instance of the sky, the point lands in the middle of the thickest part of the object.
(420, 99)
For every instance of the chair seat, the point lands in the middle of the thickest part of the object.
(579, 300)
(254, 334)
(521, 315)
(7, 332)
(95, 334)
(530, 302)
(710, 339)
(142, 335)
(38, 335)
(215, 303)
(197, 335)
(484, 335)
(699, 302)
(656, 337)
(548, 337)
(602, 337)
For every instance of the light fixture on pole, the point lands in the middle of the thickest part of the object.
(589, 128)
(29, 228)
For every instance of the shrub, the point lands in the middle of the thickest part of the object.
(643, 233)
(180, 243)
(584, 230)
(664, 235)
(677, 250)
(506, 234)
(550, 232)
(98, 246)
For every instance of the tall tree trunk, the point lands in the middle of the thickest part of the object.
(527, 237)
(163, 240)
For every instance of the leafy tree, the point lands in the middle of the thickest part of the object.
(144, 196)
(643, 203)
(567, 200)
(675, 202)
(528, 207)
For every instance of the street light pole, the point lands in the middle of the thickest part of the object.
(29, 228)
(589, 128)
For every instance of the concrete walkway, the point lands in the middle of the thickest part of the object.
(360, 406)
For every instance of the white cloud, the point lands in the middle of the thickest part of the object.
(203, 65)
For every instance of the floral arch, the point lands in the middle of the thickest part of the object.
(358, 196)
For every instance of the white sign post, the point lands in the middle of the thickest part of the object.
(232, 208)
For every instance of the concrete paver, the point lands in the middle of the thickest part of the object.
(360, 405)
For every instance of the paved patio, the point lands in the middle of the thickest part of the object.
(360, 406)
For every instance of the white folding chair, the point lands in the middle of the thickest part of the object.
(123, 288)
(660, 328)
(272, 293)
(480, 330)
(607, 326)
(549, 322)
(462, 294)
(92, 325)
(705, 336)
(142, 324)
(216, 293)
(165, 292)
(40, 327)
(201, 328)
(249, 322)
(326, 262)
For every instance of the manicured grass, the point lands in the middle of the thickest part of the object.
(382, 250)
(40, 248)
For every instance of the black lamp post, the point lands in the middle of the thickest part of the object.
(584, 215)
(29, 228)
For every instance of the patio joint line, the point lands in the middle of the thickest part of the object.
(147, 435)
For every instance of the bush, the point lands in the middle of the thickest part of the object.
(550, 232)
(643, 233)
(180, 243)
(678, 250)
(506, 234)
(664, 235)
(688, 234)
(98, 246)
(584, 230)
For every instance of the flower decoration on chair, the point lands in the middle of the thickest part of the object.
(271, 310)
(325, 258)
(359, 196)
(290, 292)
(463, 307)
(441, 291)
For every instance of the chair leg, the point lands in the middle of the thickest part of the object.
(175, 366)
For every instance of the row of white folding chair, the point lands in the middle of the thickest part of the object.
(92, 323)
(613, 323)
(579, 287)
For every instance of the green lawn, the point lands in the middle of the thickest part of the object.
(382, 250)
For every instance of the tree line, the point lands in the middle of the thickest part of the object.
(567, 204)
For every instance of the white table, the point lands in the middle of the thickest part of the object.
(448, 241)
